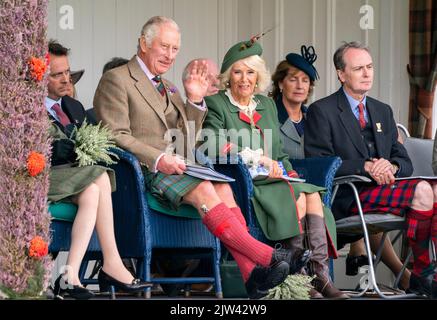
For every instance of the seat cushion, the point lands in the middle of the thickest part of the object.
(375, 223)
(63, 211)
(185, 210)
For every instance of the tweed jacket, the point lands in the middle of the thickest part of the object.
(127, 101)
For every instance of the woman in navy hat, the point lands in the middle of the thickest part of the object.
(293, 83)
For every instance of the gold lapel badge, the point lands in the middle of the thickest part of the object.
(378, 127)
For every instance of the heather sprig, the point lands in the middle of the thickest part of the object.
(295, 287)
(93, 144)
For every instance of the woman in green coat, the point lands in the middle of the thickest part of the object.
(286, 211)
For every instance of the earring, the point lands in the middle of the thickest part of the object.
(280, 90)
(256, 85)
(228, 85)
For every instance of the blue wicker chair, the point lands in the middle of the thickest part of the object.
(318, 171)
(141, 227)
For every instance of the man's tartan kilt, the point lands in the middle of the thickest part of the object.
(170, 189)
(394, 198)
(389, 198)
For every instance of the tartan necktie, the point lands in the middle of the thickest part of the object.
(361, 119)
(63, 118)
(159, 85)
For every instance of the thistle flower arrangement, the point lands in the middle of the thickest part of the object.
(93, 144)
(23, 129)
(295, 287)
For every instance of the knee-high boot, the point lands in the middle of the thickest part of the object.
(319, 260)
(297, 244)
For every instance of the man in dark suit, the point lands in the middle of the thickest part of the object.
(362, 132)
(61, 108)
(58, 88)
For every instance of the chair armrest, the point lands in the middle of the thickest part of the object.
(131, 214)
(318, 171)
(242, 187)
(351, 178)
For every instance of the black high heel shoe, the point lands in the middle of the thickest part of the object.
(109, 284)
(353, 263)
(76, 292)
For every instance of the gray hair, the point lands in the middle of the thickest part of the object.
(151, 28)
(254, 62)
(188, 67)
(340, 52)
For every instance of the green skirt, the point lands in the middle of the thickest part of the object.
(66, 181)
(274, 204)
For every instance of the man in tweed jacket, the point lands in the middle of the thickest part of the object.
(142, 109)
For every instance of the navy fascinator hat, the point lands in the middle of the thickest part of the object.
(304, 61)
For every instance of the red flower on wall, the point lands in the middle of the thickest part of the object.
(47, 57)
(38, 248)
(38, 68)
(35, 163)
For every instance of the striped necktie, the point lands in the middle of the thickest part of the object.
(159, 85)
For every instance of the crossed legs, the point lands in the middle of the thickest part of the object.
(95, 210)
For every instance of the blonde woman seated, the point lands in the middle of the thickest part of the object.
(285, 211)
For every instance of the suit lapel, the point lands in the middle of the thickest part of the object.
(375, 118)
(290, 131)
(177, 101)
(147, 90)
(350, 123)
(71, 111)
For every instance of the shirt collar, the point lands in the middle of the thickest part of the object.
(246, 109)
(50, 102)
(353, 102)
(145, 69)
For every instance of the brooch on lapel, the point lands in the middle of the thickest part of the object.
(170, 90)
(378, 127)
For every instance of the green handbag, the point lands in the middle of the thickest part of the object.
(232, 281)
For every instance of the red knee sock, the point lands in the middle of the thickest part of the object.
(239, 215)
(419, 230)
(244, 264)
(221, 221)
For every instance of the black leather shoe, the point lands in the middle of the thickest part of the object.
(106, 281)
(353, 263)
(422, 286)
(76, 292)
(262, 279)
(296, 259)
(434, 290)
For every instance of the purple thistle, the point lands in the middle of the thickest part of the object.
(23, 128)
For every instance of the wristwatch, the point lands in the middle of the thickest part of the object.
(204, 208)
(395, 168)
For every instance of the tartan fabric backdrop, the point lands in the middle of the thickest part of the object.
(422, 68)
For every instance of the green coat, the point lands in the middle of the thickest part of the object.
(67, 180)
(273, 201)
